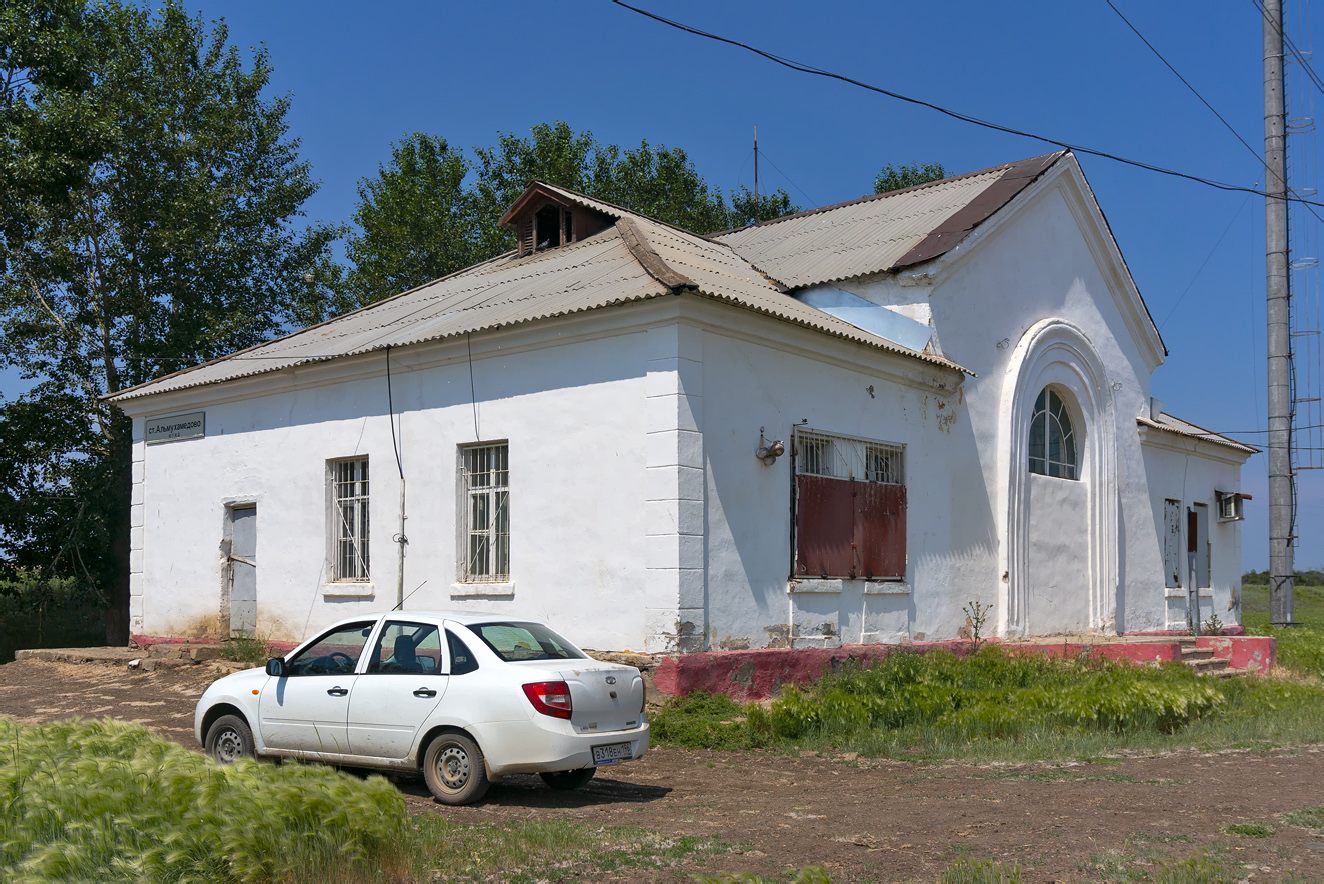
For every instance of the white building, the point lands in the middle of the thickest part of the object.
(957, 376)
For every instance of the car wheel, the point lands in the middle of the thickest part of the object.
(454, 769)
(569, 779)
(229, 739)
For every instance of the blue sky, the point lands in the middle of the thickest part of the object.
(362, 75)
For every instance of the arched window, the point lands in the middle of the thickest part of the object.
(1052, 441)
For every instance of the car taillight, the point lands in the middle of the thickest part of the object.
(550, 698)
(643, 705)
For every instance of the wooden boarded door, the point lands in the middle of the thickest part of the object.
(243, 571)
(1172, 543)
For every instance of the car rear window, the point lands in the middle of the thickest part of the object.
(514, 642)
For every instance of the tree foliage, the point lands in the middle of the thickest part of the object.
(170, 243)
(907, 175)
(432, 210)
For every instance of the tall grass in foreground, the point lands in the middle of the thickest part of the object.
(105, 800)
(110, 801)
(1000, 705)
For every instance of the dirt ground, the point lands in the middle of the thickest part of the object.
(861, 819)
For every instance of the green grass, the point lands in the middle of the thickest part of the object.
(109, 801)
(971, 871)
(998, 706)
(1250, 830)
(1300, 647)
(1311, 818)
(243, 648)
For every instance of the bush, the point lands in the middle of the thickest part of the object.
(992, 694)
(700, 721)
(106, 800)
(49, 614)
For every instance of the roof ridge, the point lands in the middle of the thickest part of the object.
(648, 258)
(871, 197)
(619, 208)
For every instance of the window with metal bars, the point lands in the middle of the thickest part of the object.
(850, 507)
(349, 490)
(485, 475)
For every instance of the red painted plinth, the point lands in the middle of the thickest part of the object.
(1256, 653)
(757, 675)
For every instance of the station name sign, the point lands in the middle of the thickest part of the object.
(176, 426)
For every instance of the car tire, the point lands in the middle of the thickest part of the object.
(569, 779)
(228, 739)
(454, 769)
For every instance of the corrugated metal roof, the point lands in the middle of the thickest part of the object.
(597, 272)
(505, 291)
(1186, 428)
(879, 232)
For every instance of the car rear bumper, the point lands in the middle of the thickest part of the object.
(547, 750)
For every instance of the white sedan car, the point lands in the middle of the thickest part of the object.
(466, 698)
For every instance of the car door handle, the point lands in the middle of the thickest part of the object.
(425, 692)
(338, 691)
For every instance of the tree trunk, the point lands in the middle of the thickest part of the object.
(120, 522)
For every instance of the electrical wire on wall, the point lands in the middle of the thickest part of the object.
(473, 398)
(400, 539)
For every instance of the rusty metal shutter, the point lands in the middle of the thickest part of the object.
(849, 529)
(880, 531)
(824, 527)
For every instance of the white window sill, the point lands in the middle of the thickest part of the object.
(348, 590)
(834, 585)
(483, 590)
(1179, 592)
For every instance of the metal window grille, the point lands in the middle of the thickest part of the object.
(845, 457)
(350, 488)
(486, 475)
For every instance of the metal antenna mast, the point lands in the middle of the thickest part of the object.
(1281, 504)
(756, 164)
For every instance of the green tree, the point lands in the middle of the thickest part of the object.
(896, 177)
(414, 221)
(432, 210)
(171, 245)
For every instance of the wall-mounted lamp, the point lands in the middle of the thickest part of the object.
(768, 452)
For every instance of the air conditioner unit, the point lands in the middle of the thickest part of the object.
(1229, 506)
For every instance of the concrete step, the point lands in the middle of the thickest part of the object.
(1190, 652)
(1207, 666)
(103, 656)
(195, 652)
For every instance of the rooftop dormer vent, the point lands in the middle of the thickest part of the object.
(544, 219)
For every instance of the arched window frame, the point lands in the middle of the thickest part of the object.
(1053, 445)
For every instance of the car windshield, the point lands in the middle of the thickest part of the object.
(513, 642)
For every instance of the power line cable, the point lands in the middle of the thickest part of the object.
(1212, 251)
(1253, 152)
(1186, 82)
(956, 115)
(1300, 57)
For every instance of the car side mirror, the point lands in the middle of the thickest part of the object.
(276, 667)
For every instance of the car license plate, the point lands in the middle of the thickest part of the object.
(613, 753)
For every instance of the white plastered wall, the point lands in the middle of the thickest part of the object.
(1190, 471)
(1047, 261)
(761, 373)
(571, 406)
